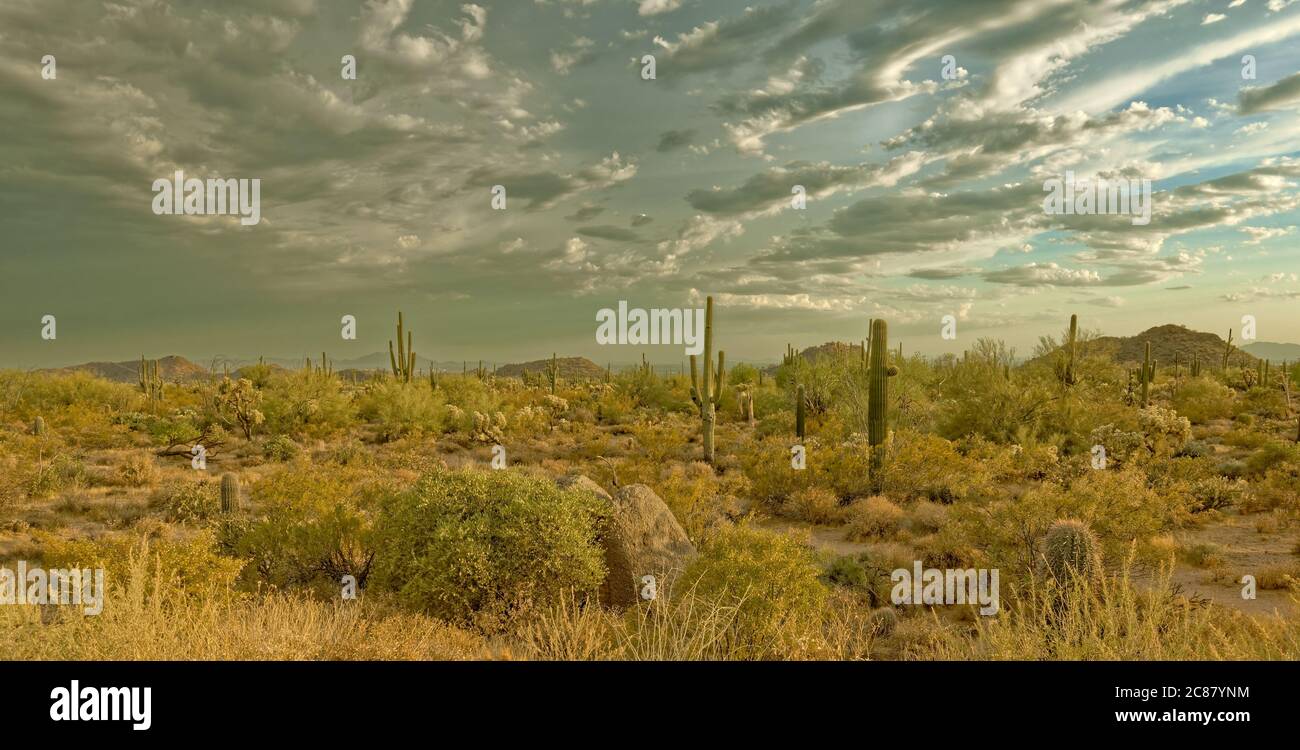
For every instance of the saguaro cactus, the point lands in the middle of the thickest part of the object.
(229, 493)
(707, 394)
(1227, 351)
(553, 371)
(151, 384)
(878, 395)
(1196, 366)
(403, 360)
(799, 414)
(1148, 374)
(1071, 346)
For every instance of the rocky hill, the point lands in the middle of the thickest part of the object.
(1274, 351)
(172, 368)
(571, 368)
(1173, 341)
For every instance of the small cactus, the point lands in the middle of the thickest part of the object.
(229, 493)
(883, 621)
(38, 426)
(1072, 551)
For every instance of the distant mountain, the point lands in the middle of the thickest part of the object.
(1274, 352)
(171, 368)
(1170, 342)
(571, 368)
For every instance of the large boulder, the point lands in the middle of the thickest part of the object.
(584, 483)
(642, 538)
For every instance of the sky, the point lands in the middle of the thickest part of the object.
(922, 132)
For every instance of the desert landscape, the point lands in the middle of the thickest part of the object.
(1123, 488)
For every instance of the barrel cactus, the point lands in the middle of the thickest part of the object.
(883, 621)
(229, 493)
(1072, 551)
(38, 426)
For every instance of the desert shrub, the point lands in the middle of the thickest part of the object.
(927, 518)
(1203, 399)
(698, 497)
(1217, 493)
(1265, 402)
(1273, 455)
(1203, 555)
(313, 527)
(847, 570)
(922, 466)
(188, 501)
(188, 567)
(815, 505)
(1116, 504)
(874, 518)
(773, 582)
(400, 409)
(46, 478)
(480, 547)
(281, 448)
(306, 402)
(138, 470)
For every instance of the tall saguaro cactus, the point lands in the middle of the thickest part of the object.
(1071, 348)
(878, 395)
(1148, 375)
(800, 400)
(708, 394)
(151, 384)
(1227, 351)
(403, 360)
(553, 371)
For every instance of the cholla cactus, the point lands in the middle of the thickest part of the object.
(1072, 552)
(489, 429)
(707, 395)
(229, 493)
(239, 401)
(1163, 430)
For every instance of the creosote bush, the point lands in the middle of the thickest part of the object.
(481, 547)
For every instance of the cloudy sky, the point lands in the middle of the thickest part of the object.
(924, 175)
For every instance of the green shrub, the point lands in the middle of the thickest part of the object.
(400, 409)
(188, 501)
(1203, 399)
(481, 547)
(771, 579)
(281, 448)
(313, 527)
